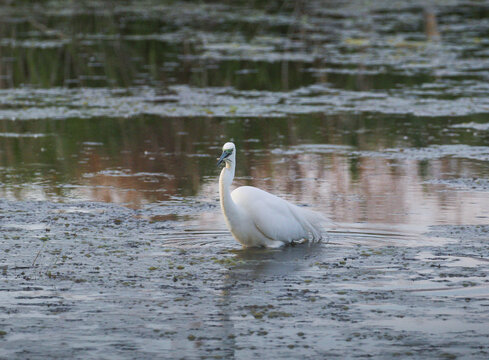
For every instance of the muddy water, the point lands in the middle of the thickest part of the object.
(112, 242)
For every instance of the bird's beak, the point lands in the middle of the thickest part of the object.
(221, 159)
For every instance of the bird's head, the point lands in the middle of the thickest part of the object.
(228, 154)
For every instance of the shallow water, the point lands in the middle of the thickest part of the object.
(111, 117)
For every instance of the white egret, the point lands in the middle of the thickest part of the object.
(257, 218)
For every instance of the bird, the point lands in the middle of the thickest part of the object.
(257, 218)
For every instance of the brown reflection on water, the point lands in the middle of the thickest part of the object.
(348, 188)
(431, 24)
(378, 191)
(130, 162)
(138, 176)
(141, 161)
(126, 184)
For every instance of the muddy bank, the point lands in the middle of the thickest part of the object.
(91, 280)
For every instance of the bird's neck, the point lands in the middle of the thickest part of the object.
(227, 204)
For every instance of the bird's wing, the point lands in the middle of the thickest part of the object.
(274, 217)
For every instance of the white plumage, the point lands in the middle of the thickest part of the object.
(257, 218)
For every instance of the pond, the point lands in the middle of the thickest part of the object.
(112, 240)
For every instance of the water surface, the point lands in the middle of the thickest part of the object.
(112, 116)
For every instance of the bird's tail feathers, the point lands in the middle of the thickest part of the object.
(312, 221)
